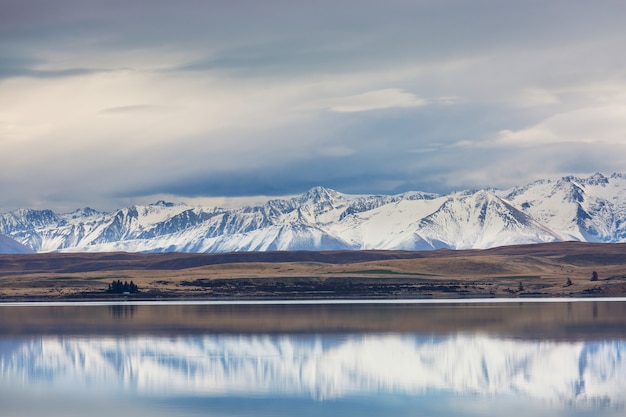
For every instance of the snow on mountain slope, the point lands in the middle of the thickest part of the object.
(586, 209)
(480, 220)
(390, 226)
(25, 226)
(323, 367)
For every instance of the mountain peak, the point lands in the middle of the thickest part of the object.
(84, 212)
(486, 195)
(319, 194)
(597, 179)
(572, 208)
(163, 203)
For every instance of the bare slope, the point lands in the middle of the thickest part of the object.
(526, 270)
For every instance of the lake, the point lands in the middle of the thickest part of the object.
(554, 358)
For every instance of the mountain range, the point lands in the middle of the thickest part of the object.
(591, 209)
(325, 367)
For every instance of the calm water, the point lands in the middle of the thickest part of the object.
(540, 359)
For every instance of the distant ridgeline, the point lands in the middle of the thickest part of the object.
(589, 209)
(119, 287)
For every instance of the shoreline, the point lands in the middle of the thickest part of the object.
(556, 319)
(235, 302)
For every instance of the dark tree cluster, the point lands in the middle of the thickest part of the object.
(119, 287)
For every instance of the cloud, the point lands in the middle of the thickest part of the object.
(533, 97)
(14, 71)
(447, 100)
(506, 167)
(375, 100)
(108, 102)
(605, 125)
(136, 109)
(334, 150)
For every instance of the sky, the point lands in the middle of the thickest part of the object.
(109, 103)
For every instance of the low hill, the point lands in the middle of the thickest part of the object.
(542, 270)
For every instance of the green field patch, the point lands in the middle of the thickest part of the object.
(64, 278)
(519, 277)
(387, 272)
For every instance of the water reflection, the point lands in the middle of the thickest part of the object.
(322, 367)
(327, 360)
(122, 311)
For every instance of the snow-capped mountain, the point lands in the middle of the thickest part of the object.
(325, 367)
(589, 209)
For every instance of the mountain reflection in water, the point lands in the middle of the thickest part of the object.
(324, 367)
(311, 373)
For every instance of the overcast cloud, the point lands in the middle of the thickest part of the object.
(111, 103)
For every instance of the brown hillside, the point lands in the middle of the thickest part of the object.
(513, 271)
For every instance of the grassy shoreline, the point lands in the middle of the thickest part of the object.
(543, 270)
